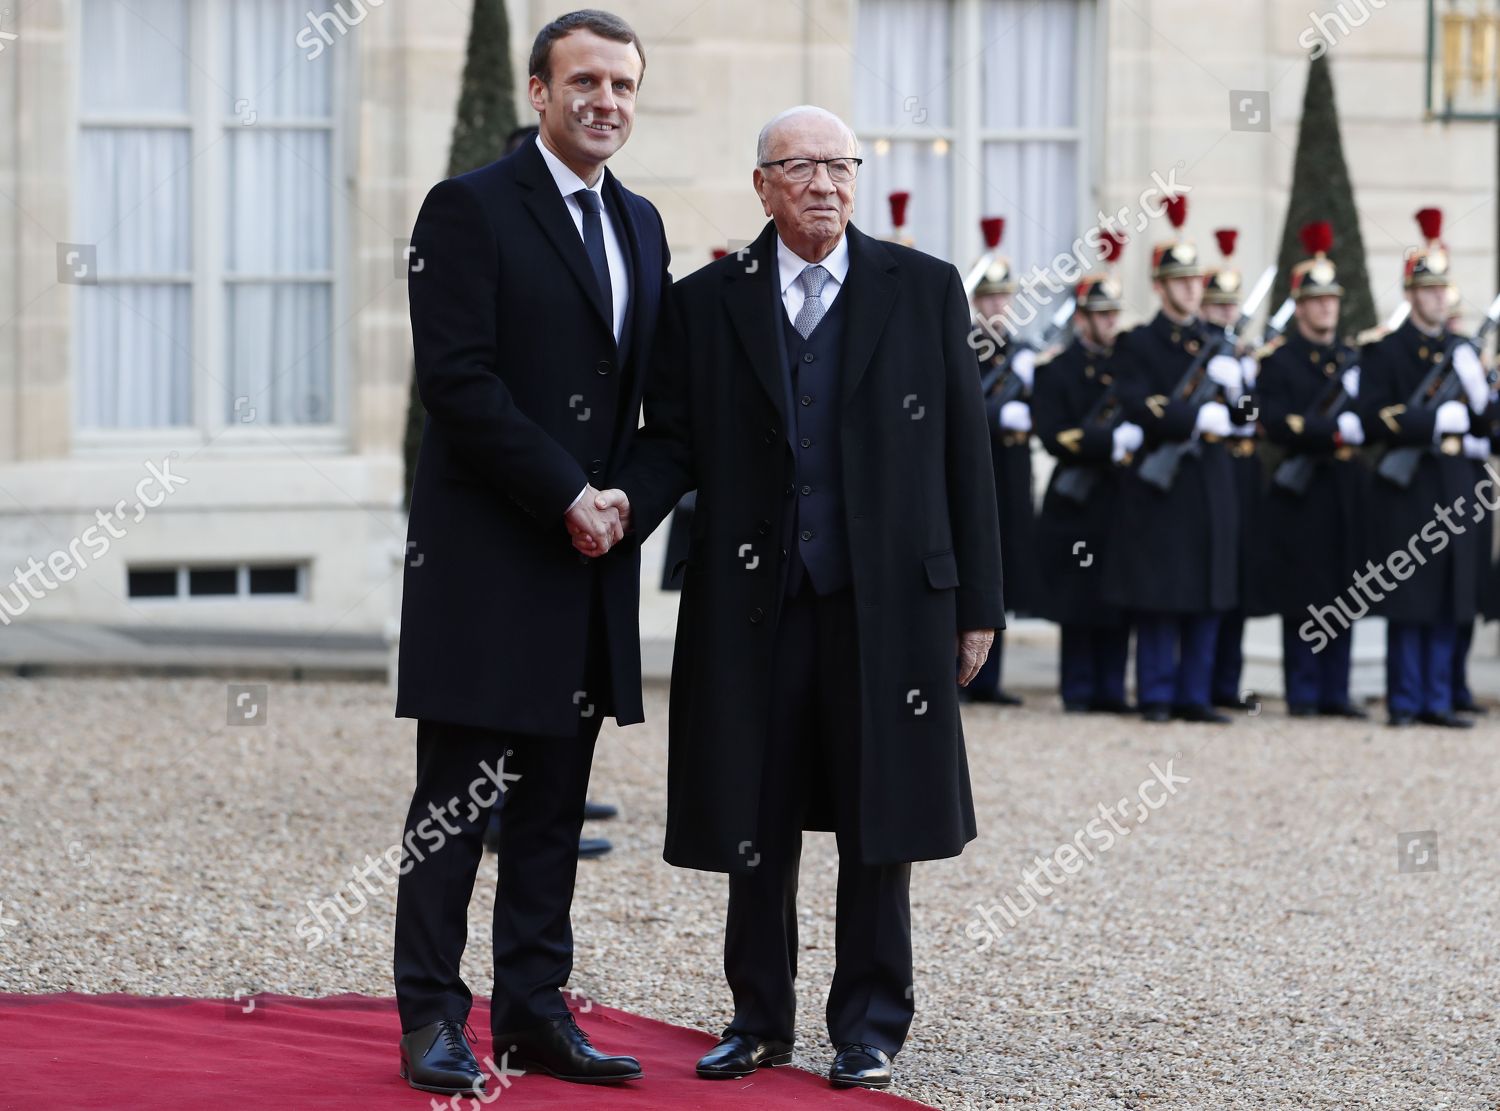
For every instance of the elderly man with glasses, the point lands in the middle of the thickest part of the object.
(818, 391)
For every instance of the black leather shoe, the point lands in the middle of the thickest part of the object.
(1401, 719)
(1448, 720)
(561, 1050)
(1110, 706)
(1201, 715)
(1301, 710)
(1232, 702)
(1343, 710)
(599, 811)
(1156, 711)
(1076, 707)
(1469, 706)
(860, 1066)
(741, 1054)
(590, 847)
(437, 1058)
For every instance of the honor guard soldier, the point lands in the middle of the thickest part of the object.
(1174, 541)
(1078, 420)
(1223, 289)
(1314, 518)
(1477, 450)
(1413, 511)
(1007, 368)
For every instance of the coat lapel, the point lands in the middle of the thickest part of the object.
(750, 294)
(551, 212)
(871, 290)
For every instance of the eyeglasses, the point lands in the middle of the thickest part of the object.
(841, 171)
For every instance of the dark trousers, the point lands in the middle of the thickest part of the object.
(1419, 667)
(1093, 663)
(1229, 659)
(1315, 678)
(1174, 658)
(1463, 641)
(991, 675)
(533, 930)
(813, 745)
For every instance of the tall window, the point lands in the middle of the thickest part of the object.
(978, 108)
(205, 190)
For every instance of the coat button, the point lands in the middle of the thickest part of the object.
(763, 526)
(596, 467)
(771, 435)
(806, 490)
(807, 358)
(756, 615)
(806, 442)
(807, 534)
(604, 367)
(807, 399)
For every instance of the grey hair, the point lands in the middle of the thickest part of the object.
(763, 143)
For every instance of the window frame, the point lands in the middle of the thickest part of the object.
(211, 431)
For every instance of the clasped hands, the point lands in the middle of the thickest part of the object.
(598, 521)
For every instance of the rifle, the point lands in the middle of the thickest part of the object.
(1296, 471)
(1440, 384)
(1159, 468)
(1059, 322)
(1076, 482)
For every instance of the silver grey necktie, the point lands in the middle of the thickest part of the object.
(808, 317)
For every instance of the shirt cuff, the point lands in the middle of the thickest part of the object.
(576, 500)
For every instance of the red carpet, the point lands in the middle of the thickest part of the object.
(123, 1051)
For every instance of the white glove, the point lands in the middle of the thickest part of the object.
(1226, 371)
(1016, 416)
(1476, 447)
(1023, 365)
(1471, 374)
(1213, 420)
(1127, 439)
(1351, 381)
(1249, 370)
(1452, 419)
(1351, 431)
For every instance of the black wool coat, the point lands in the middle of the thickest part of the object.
(920, 510)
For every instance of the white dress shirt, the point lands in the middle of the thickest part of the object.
(789, 265)
(569, 183)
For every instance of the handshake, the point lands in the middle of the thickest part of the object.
(598, 520)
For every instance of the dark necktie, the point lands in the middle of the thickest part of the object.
(593, 243)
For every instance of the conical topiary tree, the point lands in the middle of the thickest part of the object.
(486, 117)
(1321, 191)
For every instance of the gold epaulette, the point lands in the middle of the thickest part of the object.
(1266, 348)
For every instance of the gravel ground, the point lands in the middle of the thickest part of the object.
(1251, 943)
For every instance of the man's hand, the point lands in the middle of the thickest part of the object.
(973, 650)
(615, 499)
(594, 530)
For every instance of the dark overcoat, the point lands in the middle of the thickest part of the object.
(1444, 585)
(1072, 538)
(1178, 551)
(924, 546)
(527, 399)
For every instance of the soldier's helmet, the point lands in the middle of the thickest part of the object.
(1176, 258)
(1224, 285)
(1316, 276)
(997, 276)
(1101, 291)
(1428, 264)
